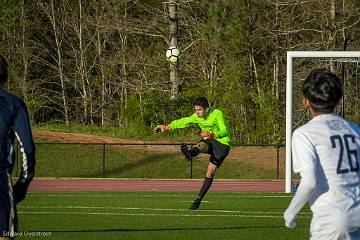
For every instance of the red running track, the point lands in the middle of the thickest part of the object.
(69, 185)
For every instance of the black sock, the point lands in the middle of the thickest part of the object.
(194, 151)
(205, 187)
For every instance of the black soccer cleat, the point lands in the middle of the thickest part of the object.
(196, 204)
(186, 152)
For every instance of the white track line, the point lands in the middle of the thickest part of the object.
(159, 214)
(157, 209)
(158, 195)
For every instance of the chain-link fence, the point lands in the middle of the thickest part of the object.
(152, 161)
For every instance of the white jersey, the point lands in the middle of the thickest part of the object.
(329, 145)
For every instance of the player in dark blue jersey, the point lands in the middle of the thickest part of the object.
(14, 123)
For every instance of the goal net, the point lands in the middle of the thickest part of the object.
(345, 64)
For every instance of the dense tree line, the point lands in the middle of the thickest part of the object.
(102, 62)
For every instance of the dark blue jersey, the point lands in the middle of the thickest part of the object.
(15, 123)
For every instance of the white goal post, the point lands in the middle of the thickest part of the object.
(289, 97)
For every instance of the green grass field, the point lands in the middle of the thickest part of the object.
(158, 216)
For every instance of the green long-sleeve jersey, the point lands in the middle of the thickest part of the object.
(214, 122)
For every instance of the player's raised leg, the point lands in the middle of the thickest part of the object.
(200, 147)
(186, 152)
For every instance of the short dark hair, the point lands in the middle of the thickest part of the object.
(201, 101)
(323, 89)
(3, 70)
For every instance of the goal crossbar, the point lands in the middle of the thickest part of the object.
(289, 97)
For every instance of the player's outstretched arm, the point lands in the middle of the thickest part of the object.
(303, 194)
(161, 128)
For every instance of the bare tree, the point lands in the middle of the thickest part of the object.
(79, 46)
(25, 52)
(100, 43)
(58, 32)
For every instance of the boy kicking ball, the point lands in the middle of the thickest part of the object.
(216, 140)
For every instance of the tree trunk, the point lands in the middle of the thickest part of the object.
(103, 83)
(124, 90)
(60, 64)
(332, 33)
(276, 65)
(25, 57)
(253, 69)
(82, 67)
(174, 81)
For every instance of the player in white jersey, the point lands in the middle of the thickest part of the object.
(326, 153)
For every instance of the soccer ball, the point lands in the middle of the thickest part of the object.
(173, 54)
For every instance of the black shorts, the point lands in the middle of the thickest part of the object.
(217, 151)
(8, 216)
